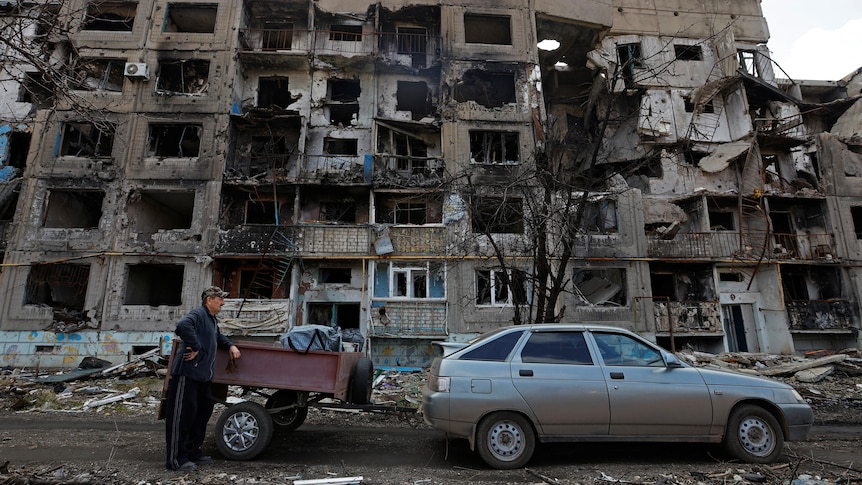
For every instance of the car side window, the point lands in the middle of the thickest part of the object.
(617, 350)
(494, 350)
(556, 348)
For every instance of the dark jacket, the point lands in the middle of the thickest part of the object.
(198, 331)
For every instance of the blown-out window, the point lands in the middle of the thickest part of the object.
(498, 287)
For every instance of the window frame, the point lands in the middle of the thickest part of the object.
(516, 276)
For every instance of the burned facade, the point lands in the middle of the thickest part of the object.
(420, 172)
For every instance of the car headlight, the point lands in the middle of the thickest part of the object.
(439, 384)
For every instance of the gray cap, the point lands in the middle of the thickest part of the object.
(213, 291)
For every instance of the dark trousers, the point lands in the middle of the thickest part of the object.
(187, 411)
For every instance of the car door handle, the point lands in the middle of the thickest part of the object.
(525, 373)
(617, 375)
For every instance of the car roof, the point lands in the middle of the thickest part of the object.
(566, 326)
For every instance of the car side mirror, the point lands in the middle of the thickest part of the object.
(673, 362)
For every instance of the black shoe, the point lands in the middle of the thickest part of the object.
(203, 460)
(188, 466)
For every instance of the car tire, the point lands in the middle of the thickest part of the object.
(243, 431)
(506, 440)
(753, 435)
(361, 381)
(289, 419)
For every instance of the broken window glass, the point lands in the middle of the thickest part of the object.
(487, 29)
(498, 215)
(174, 140)
(110, 16)
(85, 140)
(600, 286)
(494, 147)
(99, 75)
(492, 288)
(183, 76)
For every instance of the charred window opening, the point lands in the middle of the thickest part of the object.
(256, 284)
(600, 287)
(335, 275)
(152, 210)
(269, 152)
(19, 146)
(722, 217)
(731, 277)
(630, 58)
(343, 211)
(498, 287)
(36, 89)
(413, 97)
(690, 107)
(197, 18)
(99, 75)
(498, 215)
(693, 157)
(401, 209)
(184, 76)
(683, 284)
(345, 33)
(487, 29)
(856, 214)
(688, 52)
(85, 140)
(273, 91)
(343, 101)
(748, 62)
(110, 16)
(58, 285)
(649, 167)
(491, 90)
(263, 211)
(340, 146)
(154, 284)
(174, 140)
(411, 153)
(343, 315)
(494, 147)
(68, 208)
(344, 90)
(601, 217)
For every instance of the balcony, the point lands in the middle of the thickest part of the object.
(418, 240)
(408, 171)
(304, 240)
(687, 317)
(414, 318)
(820, 315)
(746, 246)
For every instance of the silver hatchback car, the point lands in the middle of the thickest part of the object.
(564, 382)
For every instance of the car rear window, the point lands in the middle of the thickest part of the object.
(495, 350)
(556, 348)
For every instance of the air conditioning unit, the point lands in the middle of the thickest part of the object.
(137, 70)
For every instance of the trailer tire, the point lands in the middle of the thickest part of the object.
(361, 381)
(243, 431)
(289, 419)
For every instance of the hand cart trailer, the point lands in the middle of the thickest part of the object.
(299, 379)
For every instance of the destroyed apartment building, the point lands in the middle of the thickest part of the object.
(419, 172)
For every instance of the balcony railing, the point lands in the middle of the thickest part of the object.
(687, 317)
(820, 314)
(418, 239)
(322, 168)
(749, 246)
(408, 170)
(308, 239)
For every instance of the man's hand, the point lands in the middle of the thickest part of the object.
(234, 352)
(190, 354)
(231, 361)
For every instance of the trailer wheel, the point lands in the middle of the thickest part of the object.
(243, 431)
(289, 419)
(361, 381)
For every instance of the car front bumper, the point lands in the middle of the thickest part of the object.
(800, 418)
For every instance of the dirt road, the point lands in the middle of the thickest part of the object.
(384, 449)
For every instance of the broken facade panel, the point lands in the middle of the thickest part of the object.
(385, 168)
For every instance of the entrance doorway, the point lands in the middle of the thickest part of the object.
(740, 328)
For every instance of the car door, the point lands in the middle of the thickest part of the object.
(561, 382)
(646, 396)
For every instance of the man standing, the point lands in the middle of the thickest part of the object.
(189, 401)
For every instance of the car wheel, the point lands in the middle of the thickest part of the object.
(289, 419)
(243, 431)
(753, 435)
(506, 440)
(361, 381)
